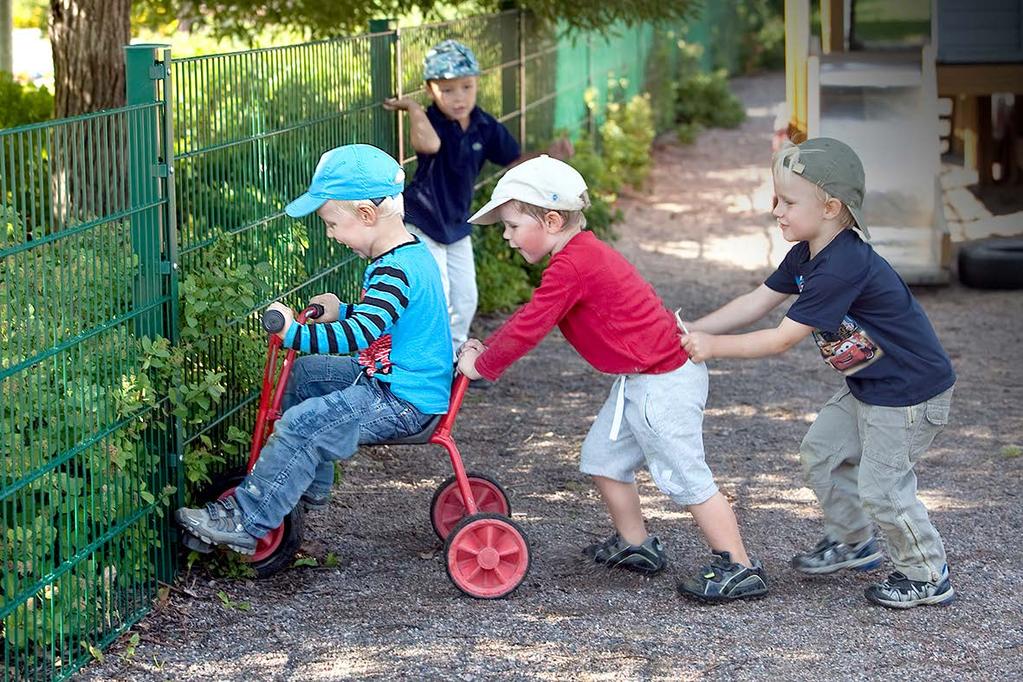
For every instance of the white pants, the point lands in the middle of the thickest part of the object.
(458, 276)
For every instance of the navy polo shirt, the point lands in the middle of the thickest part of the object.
(438, 199)
(867, 324)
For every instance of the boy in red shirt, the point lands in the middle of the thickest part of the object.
(654, 414)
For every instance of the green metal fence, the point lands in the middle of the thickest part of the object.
(82, 462)
(164, 220)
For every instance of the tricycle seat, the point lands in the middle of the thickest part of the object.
(418, 438)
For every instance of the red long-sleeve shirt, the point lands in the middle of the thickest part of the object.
(602, 305)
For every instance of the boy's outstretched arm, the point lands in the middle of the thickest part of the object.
(703, 346)
(739, 312)
(424, 138)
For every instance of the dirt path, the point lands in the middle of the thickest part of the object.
(701, 235)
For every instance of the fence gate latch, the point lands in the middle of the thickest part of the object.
(158, 71)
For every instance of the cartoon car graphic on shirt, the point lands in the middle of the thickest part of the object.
(847, 349)
(849, 354)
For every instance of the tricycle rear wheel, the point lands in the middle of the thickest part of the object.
(447, 507)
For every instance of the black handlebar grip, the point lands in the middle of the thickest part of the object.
(273, 321)
(316, 311)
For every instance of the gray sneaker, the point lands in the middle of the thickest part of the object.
(218, 524)
(830, 556)
(725, 580)
(899, 592)
(314, 503)
(647, 558)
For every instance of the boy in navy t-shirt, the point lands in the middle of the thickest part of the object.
(453, 138)
(858, 455)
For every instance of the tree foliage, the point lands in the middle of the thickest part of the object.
(318, 19)
(89, 68)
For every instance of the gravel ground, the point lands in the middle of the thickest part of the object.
(701, 235)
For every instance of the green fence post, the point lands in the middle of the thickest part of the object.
(143, 71)
(509, 54)
(591, 114)
(382, 82)
(154, 236)
(522, 78)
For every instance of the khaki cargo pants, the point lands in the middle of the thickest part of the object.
(859, 458)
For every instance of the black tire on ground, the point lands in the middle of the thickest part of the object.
(294, 524)
(992, 264)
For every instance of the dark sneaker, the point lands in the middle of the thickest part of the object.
(647, 558)
(830, 556)
(724, 580)
(899, 592)
(195, 544)
(218, 524)
(312, 503)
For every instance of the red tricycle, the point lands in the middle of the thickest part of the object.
(487, 554)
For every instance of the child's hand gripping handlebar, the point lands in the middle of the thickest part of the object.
(273, 320)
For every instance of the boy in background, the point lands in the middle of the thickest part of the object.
(452, 138)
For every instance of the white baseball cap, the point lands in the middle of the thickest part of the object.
(541, 181)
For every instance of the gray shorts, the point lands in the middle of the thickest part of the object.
(661, 425)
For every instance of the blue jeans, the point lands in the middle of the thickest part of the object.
(329, 409)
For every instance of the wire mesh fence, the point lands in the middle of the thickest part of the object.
(82, 457)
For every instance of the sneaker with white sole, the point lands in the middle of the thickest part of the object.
(899, 592)
(830, 556)
(219, 523)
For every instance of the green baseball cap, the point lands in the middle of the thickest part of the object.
(833, 166)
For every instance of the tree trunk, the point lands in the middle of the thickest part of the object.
(87, 37)
(6, 37)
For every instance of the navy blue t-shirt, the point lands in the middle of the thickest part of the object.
(437, 200)
(866, 322)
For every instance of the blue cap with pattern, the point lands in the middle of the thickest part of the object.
(449, 59)
(350, 173)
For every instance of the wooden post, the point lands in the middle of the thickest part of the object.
(832, 26)
(966, 128)
(797, 50)
(984, 135)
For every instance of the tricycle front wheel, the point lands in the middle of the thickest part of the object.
(487, 556)
(276, 550)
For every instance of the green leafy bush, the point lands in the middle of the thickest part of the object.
(502, 280)
(626, 137)
(703, 100)
(603, 189)
(110, 385)
(95, 404)
(661, 76)
(23, 103)
(763, 35)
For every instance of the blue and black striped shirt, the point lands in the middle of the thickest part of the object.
(400, 328)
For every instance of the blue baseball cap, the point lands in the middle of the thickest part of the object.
(449, 59)
(350, 173)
